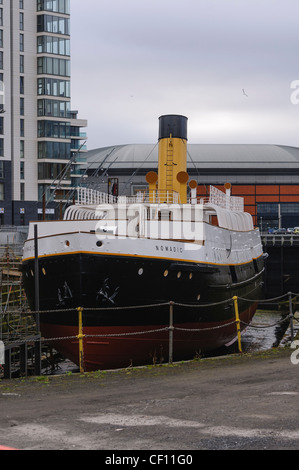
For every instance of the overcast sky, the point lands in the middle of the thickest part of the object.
(135, 60)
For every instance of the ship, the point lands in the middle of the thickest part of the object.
(125, 260)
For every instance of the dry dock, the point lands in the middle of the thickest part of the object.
(238, 402)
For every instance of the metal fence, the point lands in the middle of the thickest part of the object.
(287, 301)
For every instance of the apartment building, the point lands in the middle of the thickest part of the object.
(38, 129)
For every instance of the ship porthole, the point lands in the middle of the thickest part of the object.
(99, 243)
(67, 243)
(32, 273)
(140, 271)
(190, 276)
(44, 271)
(165, 273)
(198, 297)
(179, 274)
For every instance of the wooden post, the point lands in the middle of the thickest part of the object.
(36, 277)
(44, 207)
(7, 365)
(291, 316)
(23, 359)
(238, 323)
(37, 357)
(171, 328)
(81, 337)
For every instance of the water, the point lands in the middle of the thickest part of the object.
(266, 331)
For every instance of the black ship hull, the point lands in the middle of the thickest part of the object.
(125, 303)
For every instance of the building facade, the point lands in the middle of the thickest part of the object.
(266, 176)
(36, 121)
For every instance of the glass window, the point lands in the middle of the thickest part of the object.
(21, 42)
(62, 109)
(22, 194)
(22, 106)
(1, 125)
(48, 106)
(40, 86)
(49, 24)
(40, 44)
(67, 68)
(1, 147)
(68, 89)
(40, 23)
(61, 47)
(22, 149)
(21, 21)
(55, 130)
(59, 6)
(55, 69)
(40, 107)
(55, 45)
(40, 65)
(62, 67)
(53, 108)
(22, 170)
(22, 128)
(56, 108)
(49, 65)
(54, 150)
(289, 208)
(62, 130)
(54, 87)
(2, 175)
(22, 64)
(43, 189)
(48, 86)
(53, 24)
(53, 66)
(62, 88)
(22, 86)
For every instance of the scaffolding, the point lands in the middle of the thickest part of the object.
(15, 320)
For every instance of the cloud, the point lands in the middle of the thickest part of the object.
(133, 61)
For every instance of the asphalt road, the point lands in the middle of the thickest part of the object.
(247, 402)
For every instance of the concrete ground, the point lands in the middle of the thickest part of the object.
(228, 403)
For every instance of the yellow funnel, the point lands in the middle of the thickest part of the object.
(172, 174)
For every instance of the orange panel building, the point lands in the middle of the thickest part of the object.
(266, 176)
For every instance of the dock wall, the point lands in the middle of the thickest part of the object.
(282, 264)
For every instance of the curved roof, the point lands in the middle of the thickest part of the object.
(202, 156)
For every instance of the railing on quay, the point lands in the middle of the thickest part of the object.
(288, 303)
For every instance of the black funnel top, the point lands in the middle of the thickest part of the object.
(173, 124)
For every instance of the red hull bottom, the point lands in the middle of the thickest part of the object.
(129, 349)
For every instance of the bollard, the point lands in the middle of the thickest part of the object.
(291, 316)
(238, 323)
(171, 328)
(80, 337)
